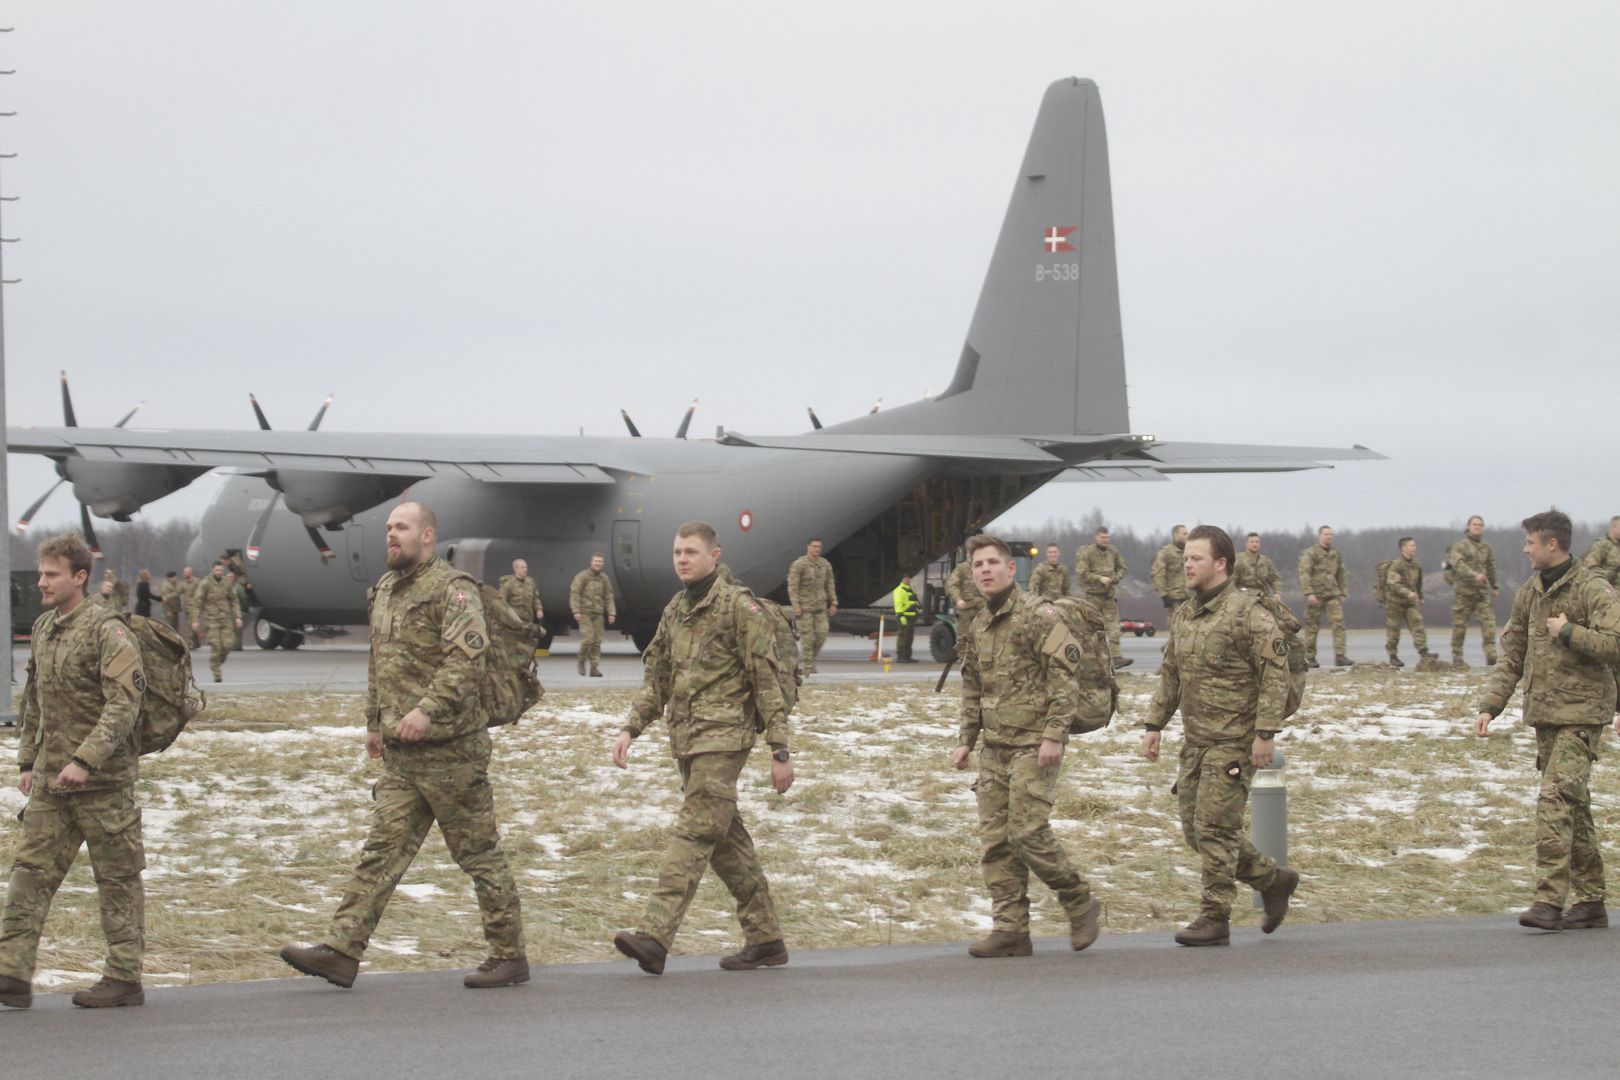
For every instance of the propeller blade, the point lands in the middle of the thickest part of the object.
(68, 419)
(130, 415)
(631, 424)
(264, 422)
(256, 537)
(686, 421)
(314, 425)
(28, 514)
(320, 545)
(815, 421)
(89, 532)
(876, 405)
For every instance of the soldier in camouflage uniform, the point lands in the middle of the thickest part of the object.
(425, 720)
(712, 674)
(1323, 580)
(1603, 557)
(189, 584)
(1403, 604)
(1098, 570)
(1022, 684)
(1471, 571)
(813, 595)
(1256, 572)
(218, 615)
(1226, 669)
(78, 754)
(521, 594)
(590, 598)
(173, 599)
(113, 594)
(965, 598)
(1051, 578)
(1168, 575)
(1563, 639)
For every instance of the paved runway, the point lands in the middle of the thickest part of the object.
(1472, 998)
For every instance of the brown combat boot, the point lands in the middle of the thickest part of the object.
(16, 992)
(1458, 663)
(1274, 898)
(110, 994)
(1395, 661)
(643, 949)
(1340, 660)
(1312, 663)
(580, 666)
(765, 954)
(1002, 943)
(1542, 916)
(1587, 915)
(1083, 928)
(596, 672)
(1206, 930)
(323, 962)
(498, 971)
(1123, 661)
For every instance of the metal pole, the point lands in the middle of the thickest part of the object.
(8, 714)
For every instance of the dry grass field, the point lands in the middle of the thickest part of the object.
(255, 817)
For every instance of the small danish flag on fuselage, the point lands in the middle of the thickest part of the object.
(1056, 238)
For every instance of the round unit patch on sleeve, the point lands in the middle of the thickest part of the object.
(474, 639)
(140, 681)
(1072, 652)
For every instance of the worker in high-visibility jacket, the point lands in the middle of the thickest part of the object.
(905, 614)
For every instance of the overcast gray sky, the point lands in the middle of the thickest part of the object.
(1387, 223)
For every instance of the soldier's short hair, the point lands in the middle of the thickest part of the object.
(1614, 519)
(813, 540)
(1220, 544)
(1403, 541)
(1173, 528)
(985, 540)
(171, 573)
(1320, 529)
(1102, 530)
(69, 547)
(1252, 536)
(219, 562)
(1053, 546)
(425, 517)
(1475, 517)
(1551, 524)
(703, 531)
(599, 555)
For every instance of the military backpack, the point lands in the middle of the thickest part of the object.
(1294, 654)
(1381, 580)
(170, 697)
(1084, 623)
(784, 645)
(511, 684)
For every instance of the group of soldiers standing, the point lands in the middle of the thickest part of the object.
(207, 610)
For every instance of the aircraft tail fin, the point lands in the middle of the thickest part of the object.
(1044, 353)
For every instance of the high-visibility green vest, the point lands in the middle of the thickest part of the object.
(905, 603)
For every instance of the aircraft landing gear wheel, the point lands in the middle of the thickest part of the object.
(266, 635)
(291, 639)
(942, 642)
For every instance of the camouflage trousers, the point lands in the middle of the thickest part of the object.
(1212, 791)
(591, 627)
(220, 639)
(172, 617)
(1313, 624)
(709, 831)
(903, 638)
(54, 825)
(1015, 807)
(193, 639)
(1109, 607)
(423, 783)
(1466, 606)
(1409, 616)
(1568, 859)
(812, 627)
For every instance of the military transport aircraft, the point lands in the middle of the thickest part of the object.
(1038, 395)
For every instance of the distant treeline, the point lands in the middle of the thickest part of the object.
(1362, 549)
(127, 548)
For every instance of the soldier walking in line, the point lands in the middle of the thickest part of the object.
(521, 594)
(1256, 572)
(590, 598)
(711, 673)
(813, 595)
(113, 594)
(78, 753)
(1563, 640)
(905, 617)
(425, 720)
(1471, 572)
(1168, 576)
(1226, 670)
(1051, 578)
(1098, 570)
(173, 599)
(1325, 583)
(218, 614)
(189, 584)
(965, 598)
(1022, 684)
(1403, 604)
(1603, 557)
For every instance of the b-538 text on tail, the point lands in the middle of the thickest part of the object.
(1038, 395)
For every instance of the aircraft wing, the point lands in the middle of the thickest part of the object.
(1161, 460)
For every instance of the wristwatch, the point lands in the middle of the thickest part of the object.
(780, 755)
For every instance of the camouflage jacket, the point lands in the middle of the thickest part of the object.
(1226, 669)
(117, 600)
(173, 595)
(217, 606)
(1468, 557)
(592, 594)
(1603, 559)
(810, 584)
(1322, 573)
(964, 594)
(82, 698)
(1050, 580)
(1257, 573)
(1569, 679)
(523, 597)
(1099, 570)
(427, 651)
(188, 592)
(1403, 583)
(709, 671)
(1018, 674)
(1170, 572)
